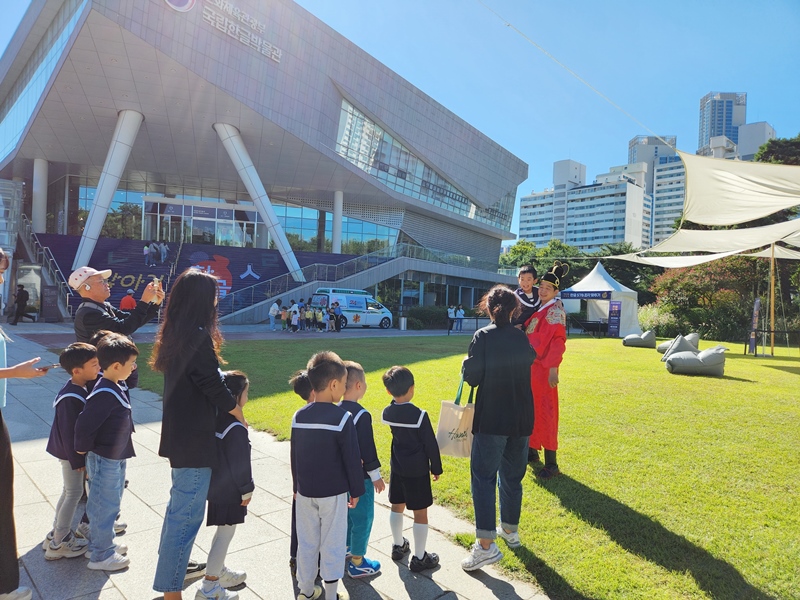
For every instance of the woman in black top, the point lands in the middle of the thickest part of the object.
(499, 364)
(186, 350)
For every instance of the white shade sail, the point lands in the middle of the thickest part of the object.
(724, 240)
(672, 262)
(728, 192)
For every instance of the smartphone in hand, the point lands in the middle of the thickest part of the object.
(48, 367)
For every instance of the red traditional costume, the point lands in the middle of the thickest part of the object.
(547, 334)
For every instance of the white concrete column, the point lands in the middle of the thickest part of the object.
(128, 123)
(336, 232)
(234, 145)
(39, 195)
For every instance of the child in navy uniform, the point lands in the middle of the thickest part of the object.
(302, 387)
(103, 432)
(79, 360)
(326, 466)
(228, 494)
(527, 295)
(415, 456)
(360, 518)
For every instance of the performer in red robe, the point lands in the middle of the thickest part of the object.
(547, 334)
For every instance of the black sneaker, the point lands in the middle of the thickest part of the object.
(194, 570)
(533, 456)
(548, 473)
(398, 552)
(428, 561)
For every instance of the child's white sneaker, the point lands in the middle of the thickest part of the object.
(213, 592)
(70, 547)
(314, 595)
(21, 593)
(230, 578)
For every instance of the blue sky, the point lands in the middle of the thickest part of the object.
(654, 59)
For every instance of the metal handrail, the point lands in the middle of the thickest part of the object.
(44, 256)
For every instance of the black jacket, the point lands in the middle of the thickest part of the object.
(499, 363)
(93, 316)
(233, 477)
(415, 452)
(106, 424)
(527, 305)
(193, 393)
(68, 405)
(366, 439)
(324, 451)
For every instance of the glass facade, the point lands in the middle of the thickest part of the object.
(368, 146)
(151, 211)
(21, 101)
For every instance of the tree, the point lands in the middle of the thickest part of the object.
(555, 250)
(521, 253)
(783, 151)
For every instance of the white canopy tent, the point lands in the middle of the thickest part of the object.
(597, 309)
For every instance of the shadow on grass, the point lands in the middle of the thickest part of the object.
(792, 370)
(552, 583)
(642, 536)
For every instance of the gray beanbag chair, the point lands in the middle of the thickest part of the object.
(645, 340)
(692, 338)
(709, 362)
(679, 344)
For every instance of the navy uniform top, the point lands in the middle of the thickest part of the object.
(415, 452)
(366, 440)
(106, 423)
(68, 404)
(325, 456)
(528, 304)
(232, 480)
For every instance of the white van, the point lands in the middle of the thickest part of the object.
(358, 307)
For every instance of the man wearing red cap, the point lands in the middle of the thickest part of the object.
(95, 313)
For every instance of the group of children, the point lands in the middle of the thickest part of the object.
(334, 462)
(304, 317)
(91, 436)
(336, 472)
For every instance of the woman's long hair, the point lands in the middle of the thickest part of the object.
(191, 304)
(501, 304)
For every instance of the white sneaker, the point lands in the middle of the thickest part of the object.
(21, 593)
(115, 562)
(512, 539)
(314, 595)
(47, 539)
(70, 547)
(118, 548)
(229, 578)
(120, 526)
(479, 557)
(217, 592)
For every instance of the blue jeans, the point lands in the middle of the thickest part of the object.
(493, 455)
(359, 521)
(272, 322)
(187, 505)
(106, 483)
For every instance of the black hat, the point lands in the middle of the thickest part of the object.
(555, 274)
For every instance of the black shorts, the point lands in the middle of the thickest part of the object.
(414, 492)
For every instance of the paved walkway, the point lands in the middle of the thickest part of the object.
(261, 545)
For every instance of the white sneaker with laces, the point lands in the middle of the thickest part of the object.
(512, 538)
(115, 562)
(215, 592)
(70, 547)
(120, 526)
(82, 530)
(230, 578)
(480, 557)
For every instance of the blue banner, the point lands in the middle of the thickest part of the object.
(614, 315)
(567, 295)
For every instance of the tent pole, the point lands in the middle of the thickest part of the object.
(772, 300)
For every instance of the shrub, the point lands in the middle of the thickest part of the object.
(431, 317)
(415, 324)
(658, 318)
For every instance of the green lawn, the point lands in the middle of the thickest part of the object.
(672, 486)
